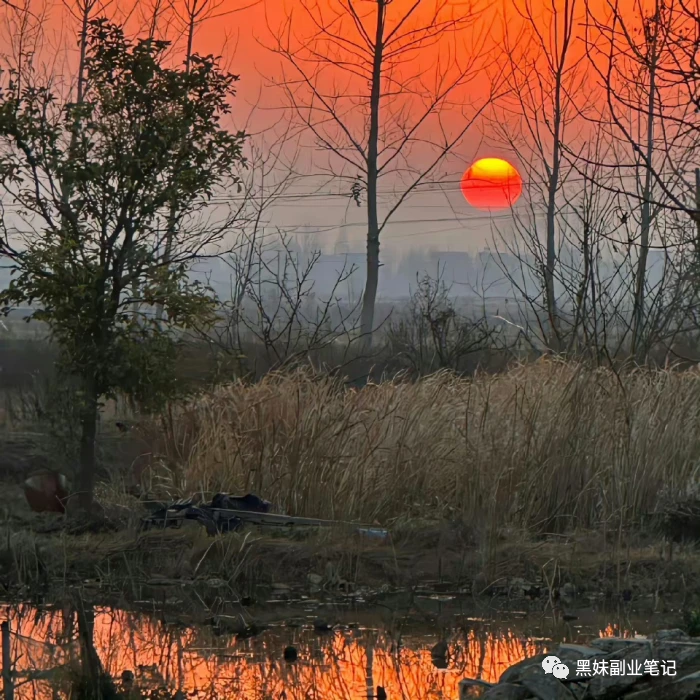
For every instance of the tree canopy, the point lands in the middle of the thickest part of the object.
(94, 184)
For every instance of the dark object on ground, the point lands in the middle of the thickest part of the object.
(533, 592)
(212, 515)
(127, 680)
(204, 516)
(528, 678)
(438, 654)
(250, 509)
(381, 693)
(680, 520)
(123, 427)
(47, 492)
(251, 630)
(322, 626)
(439, 650)
(249, 502)
(290, 654)
(158, 506)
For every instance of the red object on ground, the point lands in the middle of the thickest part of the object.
(46, 492)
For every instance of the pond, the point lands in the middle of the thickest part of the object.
(348, 663)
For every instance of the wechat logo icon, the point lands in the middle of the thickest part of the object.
(553, 665)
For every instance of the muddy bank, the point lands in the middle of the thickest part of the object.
(44, 555)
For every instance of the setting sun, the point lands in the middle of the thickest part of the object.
(492, 183)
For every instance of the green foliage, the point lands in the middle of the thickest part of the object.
(101, 186)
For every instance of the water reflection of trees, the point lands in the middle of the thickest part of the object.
(165, 659)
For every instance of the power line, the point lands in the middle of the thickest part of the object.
(431, 186)
(451, 219)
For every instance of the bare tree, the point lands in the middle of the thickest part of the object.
(535, 120)
(274, 307)
(683, 36)
(23, 29)
(371, 115)
(192, 13)
(434, 334)
(590, 222)
(651, 123)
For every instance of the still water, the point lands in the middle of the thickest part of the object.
(345, 664)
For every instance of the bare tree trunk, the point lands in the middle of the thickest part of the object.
(581, 310)
(88, 436)
(89, 410)
(638, 348)
(561, 56)
(697, 214)
(552, 187)
(136, 305)
(369, 297)
(85, 7)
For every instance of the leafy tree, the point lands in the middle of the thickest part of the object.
(94, 182)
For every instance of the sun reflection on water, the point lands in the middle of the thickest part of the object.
(348, 664)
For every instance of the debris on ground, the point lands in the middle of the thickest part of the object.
(46, 491)
(225, 513)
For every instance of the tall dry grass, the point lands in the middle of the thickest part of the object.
(546, 446)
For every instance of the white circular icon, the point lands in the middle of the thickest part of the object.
(549, 663)
(560, 671)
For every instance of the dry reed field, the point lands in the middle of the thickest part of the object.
(546, 447)
(468, 474)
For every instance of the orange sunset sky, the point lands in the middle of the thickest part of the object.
(243, 32)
